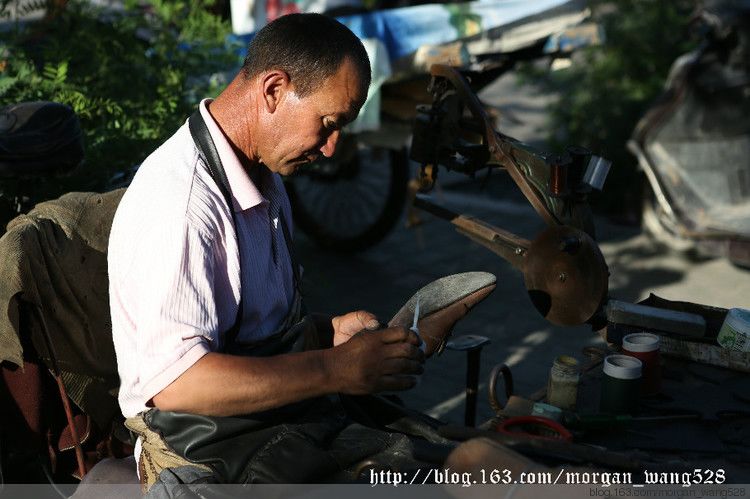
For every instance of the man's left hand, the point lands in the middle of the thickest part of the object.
(347, 325)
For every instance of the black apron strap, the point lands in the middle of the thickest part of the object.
(292, 256)
(207, 148)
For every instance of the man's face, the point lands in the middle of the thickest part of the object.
(303, 129)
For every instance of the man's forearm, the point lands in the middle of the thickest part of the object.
(224, 385)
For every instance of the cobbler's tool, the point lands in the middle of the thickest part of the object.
(564, 271)
(414, 327)
(472, 344)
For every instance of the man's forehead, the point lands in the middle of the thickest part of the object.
(345, 92)
(350, 80)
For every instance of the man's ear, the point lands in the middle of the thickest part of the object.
(274, 87)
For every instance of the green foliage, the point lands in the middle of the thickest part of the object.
(604, 95)
(131, 77)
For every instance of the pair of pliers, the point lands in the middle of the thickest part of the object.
(536, 427)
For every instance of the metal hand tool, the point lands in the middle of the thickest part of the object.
(414, 327)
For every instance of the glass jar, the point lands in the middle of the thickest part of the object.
(562, 387)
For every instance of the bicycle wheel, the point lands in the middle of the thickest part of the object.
(351, 201)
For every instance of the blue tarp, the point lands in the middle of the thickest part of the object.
(402, 31)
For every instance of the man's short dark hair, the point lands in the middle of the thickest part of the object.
(309, 48)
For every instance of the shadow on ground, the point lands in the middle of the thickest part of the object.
(382, 278)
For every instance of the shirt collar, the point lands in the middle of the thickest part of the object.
(245, 193)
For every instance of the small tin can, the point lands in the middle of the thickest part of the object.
(735, 331)
(645, 347)
(620, 384)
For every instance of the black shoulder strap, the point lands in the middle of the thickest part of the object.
(207, 148)
(292, 255)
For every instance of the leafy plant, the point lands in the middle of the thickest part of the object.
(604, 94)
(132, 77)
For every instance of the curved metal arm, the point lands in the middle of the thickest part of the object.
(500, 147)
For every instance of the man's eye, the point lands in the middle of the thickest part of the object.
(331, 126)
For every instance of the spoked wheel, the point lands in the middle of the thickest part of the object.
(351, 201)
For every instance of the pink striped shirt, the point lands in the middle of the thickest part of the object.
(174, 263)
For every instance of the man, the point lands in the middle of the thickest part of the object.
(183, 261)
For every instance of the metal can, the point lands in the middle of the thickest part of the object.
(735, 332)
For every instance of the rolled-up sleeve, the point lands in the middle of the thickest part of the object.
(162, 296)
(177, 310)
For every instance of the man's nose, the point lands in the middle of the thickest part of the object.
(330, 145)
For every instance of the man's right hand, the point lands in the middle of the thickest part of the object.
(375, 361)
